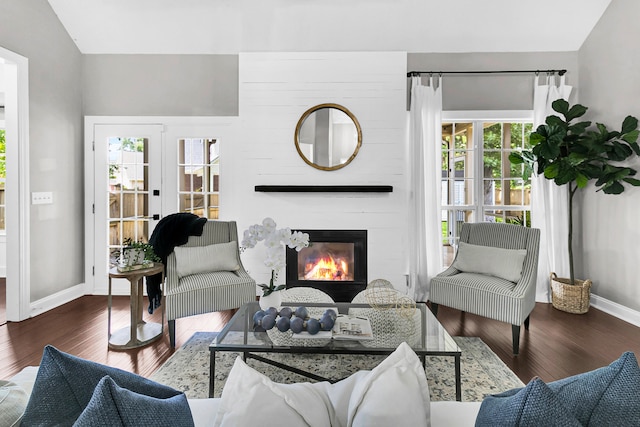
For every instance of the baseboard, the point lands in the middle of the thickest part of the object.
(613, 308)
(59, 298)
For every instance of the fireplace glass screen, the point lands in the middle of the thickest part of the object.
(332, 261)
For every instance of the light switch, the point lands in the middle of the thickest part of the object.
(41, 198)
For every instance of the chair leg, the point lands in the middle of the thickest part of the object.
(172, 332)
(526, 323)
(434, 309)
(515, 335)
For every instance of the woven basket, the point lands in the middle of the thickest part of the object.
(570, 298)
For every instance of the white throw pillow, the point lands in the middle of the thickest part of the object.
(498, 262)
(205, 259)
(249, 398)
(394, 393)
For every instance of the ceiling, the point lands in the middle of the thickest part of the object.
(232, 26)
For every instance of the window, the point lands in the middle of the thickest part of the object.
(478, 181)
(199, 177)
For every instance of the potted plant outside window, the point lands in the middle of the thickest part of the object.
(572, 153)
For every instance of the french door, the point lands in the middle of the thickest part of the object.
(479, 184)
(138, 173)
(127, 192)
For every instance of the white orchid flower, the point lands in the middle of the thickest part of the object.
(274, 241)
(269, 225)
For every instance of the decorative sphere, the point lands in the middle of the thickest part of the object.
(313, 326)
(257, 317)
(327, 322)
(286, 312)
(272, 310)
(302, 312)
(283, 324)
(268, 321)
(296, 325)
(331, 312)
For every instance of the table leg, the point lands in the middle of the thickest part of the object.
(212, 372)
(133, 308)
(109, 304)
(140, 297)
(458, 380)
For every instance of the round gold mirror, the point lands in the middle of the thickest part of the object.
(328, 137)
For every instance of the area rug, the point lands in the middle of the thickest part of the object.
(483, 373)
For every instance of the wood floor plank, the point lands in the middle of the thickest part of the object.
(557, 345)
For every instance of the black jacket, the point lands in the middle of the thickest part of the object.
(171, 231)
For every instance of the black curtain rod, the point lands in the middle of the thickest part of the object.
(415, 73)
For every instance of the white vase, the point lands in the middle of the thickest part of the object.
(274, 299)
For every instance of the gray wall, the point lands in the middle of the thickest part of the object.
(31, 29)
(609, 85)
(160, 85)
(493, 91)
(194, 85)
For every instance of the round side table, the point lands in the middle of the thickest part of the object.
(139, 332)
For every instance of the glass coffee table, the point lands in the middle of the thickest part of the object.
(425, 335)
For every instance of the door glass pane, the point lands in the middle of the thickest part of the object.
(128, 195)
(492, 136)
(457, 164)
(458, 183)
(463, 192)
(199, 176)
(452, 220)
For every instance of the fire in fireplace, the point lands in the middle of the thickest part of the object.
(326, 261)
(335, 262)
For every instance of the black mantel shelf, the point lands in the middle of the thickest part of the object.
(324, 188)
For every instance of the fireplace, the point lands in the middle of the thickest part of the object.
(335, 262)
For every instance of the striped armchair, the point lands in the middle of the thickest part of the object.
(487, 295)
(206, 292)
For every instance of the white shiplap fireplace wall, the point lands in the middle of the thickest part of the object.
(275, 90)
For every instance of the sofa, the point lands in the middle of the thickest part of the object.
(69, 375)
(66, 390)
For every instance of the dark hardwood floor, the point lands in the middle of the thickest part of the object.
(80, 328)
(557, 345)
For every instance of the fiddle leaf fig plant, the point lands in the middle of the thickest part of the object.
(572, 152)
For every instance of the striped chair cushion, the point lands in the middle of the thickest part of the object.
(484, 295)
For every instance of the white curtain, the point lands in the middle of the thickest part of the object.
(549, 202)
(425, 148)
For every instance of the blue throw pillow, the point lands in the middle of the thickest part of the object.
(531, 406)
(65, 383)
(112, 405)
(605, 396)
